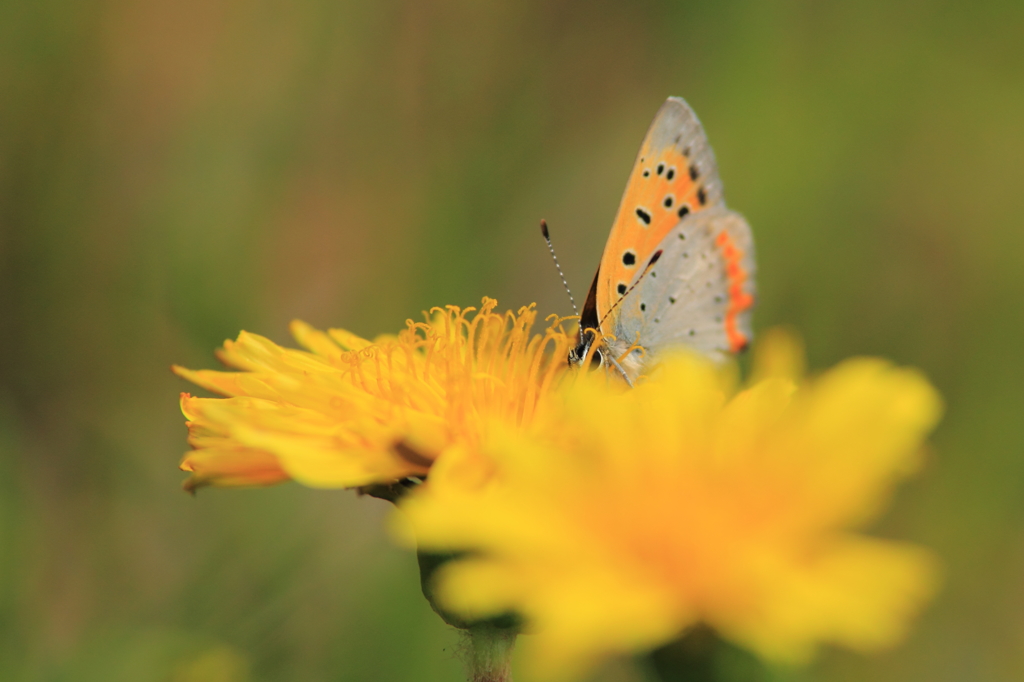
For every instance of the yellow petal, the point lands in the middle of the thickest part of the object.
(231, 467)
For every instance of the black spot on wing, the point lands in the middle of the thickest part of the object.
(702, 196)
(629, 258)
(693, 172)
(670, 174)
(668, 201)
(643, 215)
(683, 210)
(621, 288)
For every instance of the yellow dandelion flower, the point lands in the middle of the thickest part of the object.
(638, 515)
(348, 412)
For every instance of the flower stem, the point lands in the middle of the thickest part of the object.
(702, 656)
(489, 643)
(489, 656)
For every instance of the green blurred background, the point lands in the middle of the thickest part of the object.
(173, 172)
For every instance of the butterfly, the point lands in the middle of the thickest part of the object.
(678, 267)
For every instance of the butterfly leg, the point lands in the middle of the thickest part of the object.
(617, 366)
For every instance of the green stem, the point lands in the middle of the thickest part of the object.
(702, 656)
(489, 643)
(489, 657)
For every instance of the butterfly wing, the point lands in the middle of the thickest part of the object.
(700, 292)
(674, 176)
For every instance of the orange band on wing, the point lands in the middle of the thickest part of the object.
(739, 300)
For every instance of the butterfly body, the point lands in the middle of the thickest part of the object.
(700, 290)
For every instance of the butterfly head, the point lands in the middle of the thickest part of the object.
(578, 355)
(594, 352)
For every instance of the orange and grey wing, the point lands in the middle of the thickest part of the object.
(700, 294)
(674, 176)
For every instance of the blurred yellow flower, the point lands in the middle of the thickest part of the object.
(625, 518)
(349, 412)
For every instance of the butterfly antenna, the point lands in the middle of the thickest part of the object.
(650, 264)
(551, 248)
